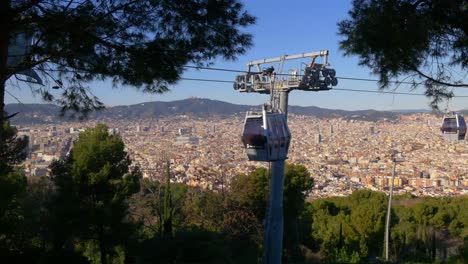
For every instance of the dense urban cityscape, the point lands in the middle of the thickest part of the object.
(341, 155)
(219, 131)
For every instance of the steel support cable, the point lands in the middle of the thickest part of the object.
(280, 74)
(300, 75)
(286, 74)
(205, 80)
(338, 89)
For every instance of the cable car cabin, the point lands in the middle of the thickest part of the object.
(453, 127)
(266, 136)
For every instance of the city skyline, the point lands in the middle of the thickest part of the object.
(341, 155)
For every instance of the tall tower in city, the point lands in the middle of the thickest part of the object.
(212, 129)
(372, 130)
(30, 142)
(331, 129)
(318, 138)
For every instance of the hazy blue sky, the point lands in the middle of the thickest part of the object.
(283, 27)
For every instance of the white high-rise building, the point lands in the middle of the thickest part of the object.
(318, 138)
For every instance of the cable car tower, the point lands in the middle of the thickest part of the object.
(266, 135)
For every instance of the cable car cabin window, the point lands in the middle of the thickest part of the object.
(450, 125)
(253, 136)
(274, 130)
(461, 122)
(462, 127)
(284, 130)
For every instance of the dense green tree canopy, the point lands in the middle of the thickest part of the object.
(12, 148)
(252, 191)
(424, 41)
(351, 229)
(141, 43)
(12, 187)
(93, 186)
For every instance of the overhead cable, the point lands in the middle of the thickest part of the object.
(286, 74)
(338, 89)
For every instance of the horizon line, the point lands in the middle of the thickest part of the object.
(200, 98)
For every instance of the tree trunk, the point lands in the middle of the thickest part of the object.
(5, 25)
(340, 239)
(296, 247)
(102, 248)
(168, 203)
(2, 109)
(433, 246)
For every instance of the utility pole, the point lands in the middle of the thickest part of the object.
(316, 77)
(387, 223)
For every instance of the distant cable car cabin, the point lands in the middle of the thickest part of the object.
(453, 127)
(266, 136)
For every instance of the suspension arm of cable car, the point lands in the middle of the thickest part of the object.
(314, 77)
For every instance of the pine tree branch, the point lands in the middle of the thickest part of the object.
(417, 3)
(13, 96)
(69, 4)
(24, 66)
(26, 6)
(439, 81)
(110, 12)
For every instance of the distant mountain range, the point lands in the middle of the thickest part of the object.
(197, 107)
(411, 111)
